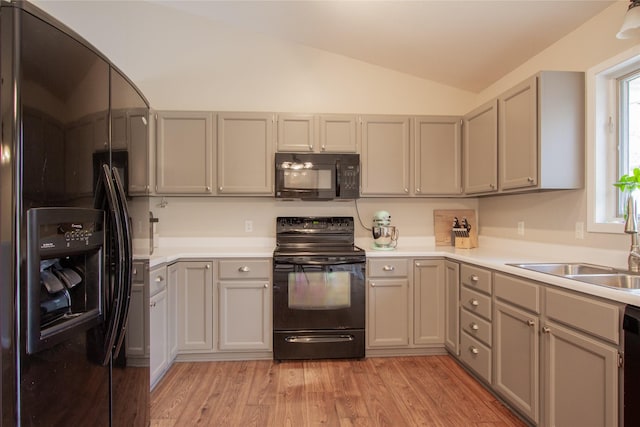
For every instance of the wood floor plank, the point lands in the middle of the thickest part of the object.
(429, 391)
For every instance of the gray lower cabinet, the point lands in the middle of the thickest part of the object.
(428, 302)
(137, 337)
(452, 307)
(158, 319)
(245, 301)
(185, 152)
(516, 343)
(195, 320)
(388, 303)
(172, 310)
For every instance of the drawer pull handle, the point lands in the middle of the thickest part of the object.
(159, 279)
(474, 278)
(474, 350)
(244, 269)
(531, 323)
(474, 302)
(474, 326)
(546, 330)
(388, 268)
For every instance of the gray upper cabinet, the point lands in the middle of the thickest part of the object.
(480, 149)
(184, 152)
(385, 156)
(338, 133)
(437, 160)
(331, 133)
(541, 132)
(245, 139)
(297, 132)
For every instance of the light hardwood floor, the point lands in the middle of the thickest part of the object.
(398, 391)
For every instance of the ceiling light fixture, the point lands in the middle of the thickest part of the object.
(631, 25)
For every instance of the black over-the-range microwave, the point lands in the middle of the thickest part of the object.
(317, 176)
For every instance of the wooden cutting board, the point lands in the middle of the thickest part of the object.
(443, 222)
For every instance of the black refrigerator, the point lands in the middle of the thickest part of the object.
(73, 170)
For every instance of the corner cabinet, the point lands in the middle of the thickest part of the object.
(245, 301)
(437, 158)
(452, 307)
(245, 139)
(185, 152)
(158, 319)
(384, 155)
(480, 149)
(195, 321)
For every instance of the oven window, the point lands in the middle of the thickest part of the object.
(308, 179)
(319, 290)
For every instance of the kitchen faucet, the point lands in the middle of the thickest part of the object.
(631, 227)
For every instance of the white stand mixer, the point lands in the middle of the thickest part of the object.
(385, 235)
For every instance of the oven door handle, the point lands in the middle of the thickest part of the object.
(311, 339)
(320, 262)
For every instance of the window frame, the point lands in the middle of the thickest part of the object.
(602, 140)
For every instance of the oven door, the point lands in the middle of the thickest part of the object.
(319, 295)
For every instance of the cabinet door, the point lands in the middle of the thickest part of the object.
(516, 349)
(173, 274)
(158, 318)
(389, 313)
(581, 379)
(184, 152)
(296, 132)
(385, 156)
(338, 133)
(138, 133)
(437, 145)
(452, 307)
(245, 153)
(428, 302)
(245, 315)
(518, 136)
(480, 149)
(195, 306)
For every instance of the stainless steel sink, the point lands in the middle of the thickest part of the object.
(565, 269)
(615, 280)
(588, 273)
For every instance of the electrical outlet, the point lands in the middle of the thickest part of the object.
(520, 228)
(579, 230)
(248, 226)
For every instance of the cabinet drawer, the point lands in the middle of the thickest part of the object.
(244, 269)
(157, 280)
(516, 291)
(476, 278)
(476, 355)
(476, 327)
(137, 272)
(476, 302)
(387, 267)
(590, 315)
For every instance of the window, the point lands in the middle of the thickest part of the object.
(613, 136)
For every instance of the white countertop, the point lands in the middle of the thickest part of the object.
(493, 253)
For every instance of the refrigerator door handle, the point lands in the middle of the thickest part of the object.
(115, 293)
(125, 273)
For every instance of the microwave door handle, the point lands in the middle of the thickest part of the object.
(114, 305)
(125, 268)
(338, 175)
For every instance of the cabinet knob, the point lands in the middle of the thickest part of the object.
(207, 266)
(406, 190)
(310, 147)
(159, 279)
(135, 271)
(208, 188)
(530, 180)
(546, 330)
(323, 147)
(474, 326)
(474, 302)
(474, 350)
(417, 190)
(266, 285)
(474, 278)
(492, 186)
(531, 323)
(373, 285)
(388, 268)
(244, 269)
